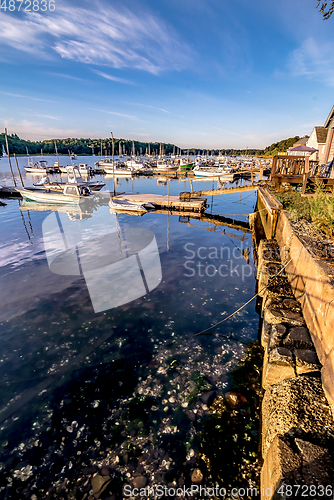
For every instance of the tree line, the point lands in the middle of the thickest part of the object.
(125, 146)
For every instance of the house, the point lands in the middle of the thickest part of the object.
(317, 140)
(329, 147)
(300, 142)
(322, 138)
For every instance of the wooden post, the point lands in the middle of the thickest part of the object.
(57, 154)
(17, 165)
(261, 174)
(306, 172)
(10, 165)
(273, 168)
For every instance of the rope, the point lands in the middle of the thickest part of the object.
(245, 304)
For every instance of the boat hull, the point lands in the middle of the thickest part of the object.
(48, 197)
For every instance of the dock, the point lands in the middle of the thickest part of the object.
(167, 202)
(209, 192)
(9, 192)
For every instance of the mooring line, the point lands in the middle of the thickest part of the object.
(245, 304)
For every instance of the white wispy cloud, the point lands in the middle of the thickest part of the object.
(116, 37)
(27, 97)
(146, 106)
(113, 78)
(37, 130)
(123, 115)
(315, 60)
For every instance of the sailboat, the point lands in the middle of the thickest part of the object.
(4, 154)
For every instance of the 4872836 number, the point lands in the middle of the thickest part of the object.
(305, 490)
(27, 5)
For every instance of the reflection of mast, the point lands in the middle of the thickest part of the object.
(24, 224)
(168, 215)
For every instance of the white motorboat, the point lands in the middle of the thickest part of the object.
(118, 170)
(73, 177)
(125, 205)
(163, 165)
(39, 167)
(71, 194)
(214, 172)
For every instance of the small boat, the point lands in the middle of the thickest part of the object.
(214, 172)
(118, 170)
(163, 165)
(73, 177)
(39, 167)
(125, 205)
(183, 165)
(4, 154)
(71, 194)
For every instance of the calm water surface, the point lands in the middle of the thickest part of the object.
(80, 387)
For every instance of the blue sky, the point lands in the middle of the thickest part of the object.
(197, 73)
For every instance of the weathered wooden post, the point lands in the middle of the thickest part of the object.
(306, 172)
(10, 165)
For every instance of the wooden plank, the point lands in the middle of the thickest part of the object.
(210, 192)
(306, 172)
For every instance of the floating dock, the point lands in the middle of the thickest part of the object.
(9, 192)
(167, 202)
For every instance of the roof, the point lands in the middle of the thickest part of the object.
(302, 147)
(321, 134)
(329, 117)
(303, 141)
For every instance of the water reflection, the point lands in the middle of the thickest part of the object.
(128, 388)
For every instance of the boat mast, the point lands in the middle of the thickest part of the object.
(113, 163)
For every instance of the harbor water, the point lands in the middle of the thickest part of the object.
(125, 391)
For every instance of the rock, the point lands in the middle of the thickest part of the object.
(306, 361)
(139, 482)
(105, 471)
(277, 366)
(281, 465)
(265, 333)
(208, 397)
(317, 465)
(296, 406)
(89, 470)
(273, 316)
(197, 476)
(99, 484)
(276, 335)
(293, 318)
(299, 337)
(235, 399)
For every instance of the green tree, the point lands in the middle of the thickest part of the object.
(326, 8)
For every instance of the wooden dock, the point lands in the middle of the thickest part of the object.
(209, 192)
(166, 202)
(9, 192)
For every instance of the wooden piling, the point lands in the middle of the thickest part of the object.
(17, 166)
(10, 165)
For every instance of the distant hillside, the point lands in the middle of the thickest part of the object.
(79, 146)
(279, 147)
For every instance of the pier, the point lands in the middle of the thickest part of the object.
(166, 202)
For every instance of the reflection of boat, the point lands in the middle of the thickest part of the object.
(126, 205)
(128, 212)
(75, 212)
(70, 194)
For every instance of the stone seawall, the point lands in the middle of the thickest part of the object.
(297, 424)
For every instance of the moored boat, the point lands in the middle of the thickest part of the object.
(125, 205)
(71, 194)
